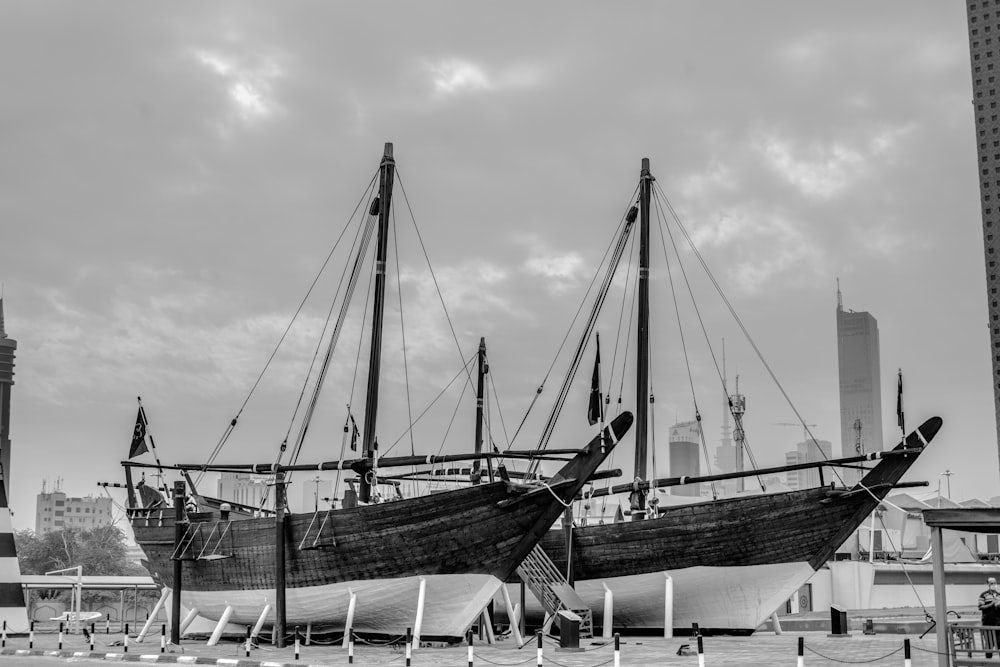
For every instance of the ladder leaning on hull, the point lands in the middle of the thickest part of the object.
(320, 540)
(552, 590)
(208, 547)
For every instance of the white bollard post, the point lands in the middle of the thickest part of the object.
(220, 626)
(419, 621)
(609, 612)
(188, 619)
(351, 606)
(512, 616)
(701, 653)
(261, 620)
(152, 615)
(802, 646)
(668, 606)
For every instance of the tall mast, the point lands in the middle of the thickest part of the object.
(642, 353)
(386, 173)
(480, 389)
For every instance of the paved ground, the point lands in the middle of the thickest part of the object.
(760, 649)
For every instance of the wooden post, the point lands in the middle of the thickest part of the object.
(940, 604)
(180, 523)
(279, 560)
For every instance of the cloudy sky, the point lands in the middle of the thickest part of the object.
(173, 178)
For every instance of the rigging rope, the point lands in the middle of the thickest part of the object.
(229, 429)
(620, 232)
(430, 268)
(402, 330)
(626, 226)
(334, 338)
(441, 393)
(736, 318)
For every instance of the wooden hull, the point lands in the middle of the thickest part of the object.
(463, 542)
(733, 560)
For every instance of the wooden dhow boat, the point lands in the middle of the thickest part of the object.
(430, 562)
(732, 562)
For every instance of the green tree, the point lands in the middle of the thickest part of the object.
(101, 552)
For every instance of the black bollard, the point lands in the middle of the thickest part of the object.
(802, 651)
(617, 649)
(163, 638)
(409, 640)
(31, 635)
(296, 643)
(125, 639)
(469, 638)
(60, 635)
(539, 635)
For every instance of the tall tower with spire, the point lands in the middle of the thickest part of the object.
(860, 381)
(7, 347)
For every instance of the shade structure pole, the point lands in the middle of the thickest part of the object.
(940, 603)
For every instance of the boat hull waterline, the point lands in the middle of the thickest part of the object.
(733, 562)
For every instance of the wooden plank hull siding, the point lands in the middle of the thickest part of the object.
(483, 530)
(794, 528)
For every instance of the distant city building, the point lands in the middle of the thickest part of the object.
(57, 511)
(860, 382)
(808, 451)
(246, 489)
(7, 347)
(985, 63)
(684, 454)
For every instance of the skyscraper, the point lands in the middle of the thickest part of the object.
(7, 347)
(985, 63)
(860, 383)
(685, 457)
(807, 451)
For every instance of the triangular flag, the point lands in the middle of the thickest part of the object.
(138, 437)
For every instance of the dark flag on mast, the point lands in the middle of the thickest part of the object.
(594, 409)
(354, 431)
(138, 437)
(899, 403)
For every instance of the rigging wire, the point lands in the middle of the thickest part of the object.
(680, 330)
(402, 330)
(430, 268)
(626, 226)
(617, 235)
(441, 393)
(232, 425)
(496, 399)
(739, 322)
(334, 338)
